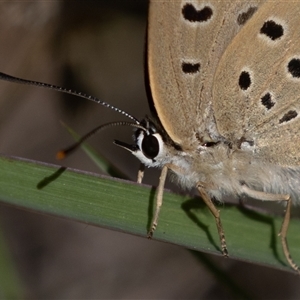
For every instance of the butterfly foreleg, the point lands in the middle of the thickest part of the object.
(140, 174)
(159, 200)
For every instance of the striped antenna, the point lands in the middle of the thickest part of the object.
(10, 78)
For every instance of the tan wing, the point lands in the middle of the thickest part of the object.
(185, 42)
(257, 84)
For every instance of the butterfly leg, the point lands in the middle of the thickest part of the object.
(216, 213)
(159, 200)
(285, 224)
(283, 235)
(140, 174)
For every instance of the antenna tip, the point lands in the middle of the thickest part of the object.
(61, 155)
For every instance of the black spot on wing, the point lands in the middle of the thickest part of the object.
(291, 114)
(243, 17)
(190, 13)
(267, 101)
(244, 80)
(294, 67)
(190, 68)
(273, 30)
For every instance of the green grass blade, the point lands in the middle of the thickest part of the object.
(126, 206)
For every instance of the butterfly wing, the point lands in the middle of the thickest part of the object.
(185, 42)
(257, 84)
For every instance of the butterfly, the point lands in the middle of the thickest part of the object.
(224, 80)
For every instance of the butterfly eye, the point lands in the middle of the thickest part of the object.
(150, 146)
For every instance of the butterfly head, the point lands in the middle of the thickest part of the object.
(151, 146)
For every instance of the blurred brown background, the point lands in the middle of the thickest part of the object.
(95, 47)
